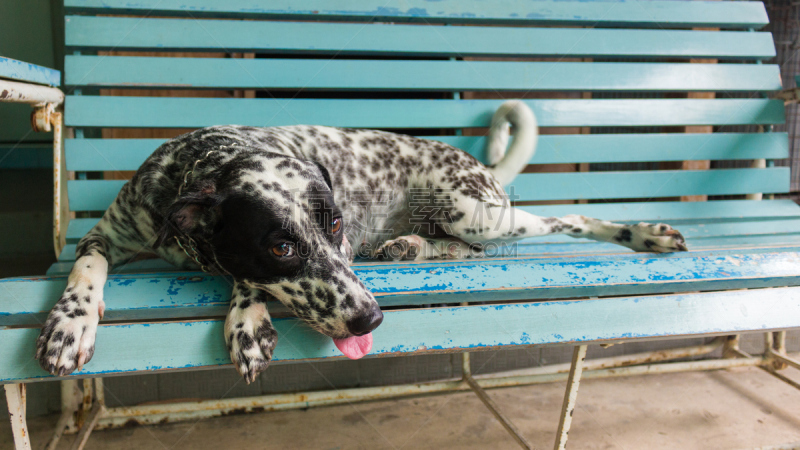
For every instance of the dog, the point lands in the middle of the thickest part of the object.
(284, 210)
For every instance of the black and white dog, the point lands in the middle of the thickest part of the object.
(283, 211)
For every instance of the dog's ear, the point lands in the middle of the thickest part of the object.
(325, 175)
(190, 210)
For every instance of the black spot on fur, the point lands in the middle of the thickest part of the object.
(245, 341)
(624, 235)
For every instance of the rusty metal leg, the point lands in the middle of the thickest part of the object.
(730, 348)
(88, 426)
(491, 405)
(777, 358)
(775, 343)
(570, 396)
(15, 397)
(70, 398)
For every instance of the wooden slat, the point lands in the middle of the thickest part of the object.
(164, 296)
(97, 195)
(122, 33)
(648, 184)
(719, 245)
(121, 71)
(155, 112)
(671, 212)
(690, 230)
(129, 154)
(701, 236)
(661, 14)
(675, 212)
(705, 214)
(27, 72)
(184, 345)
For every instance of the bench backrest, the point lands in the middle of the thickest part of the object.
(434, 69)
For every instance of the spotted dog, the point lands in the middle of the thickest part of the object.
(282, 211)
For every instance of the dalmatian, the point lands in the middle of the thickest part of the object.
(283, 211)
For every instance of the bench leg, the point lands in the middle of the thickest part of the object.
(70, 399)
(88, 426)
(80, 411)
(570, 396)
(777, 359)
(15, 397)
(490, 404)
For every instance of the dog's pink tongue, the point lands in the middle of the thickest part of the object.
(354, 347)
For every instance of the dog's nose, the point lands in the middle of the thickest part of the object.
(365, 323)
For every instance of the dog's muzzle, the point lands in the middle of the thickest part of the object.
(358, 345)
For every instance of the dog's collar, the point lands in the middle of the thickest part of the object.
(189, 246)
(188, 173)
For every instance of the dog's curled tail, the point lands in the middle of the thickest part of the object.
(505, 166)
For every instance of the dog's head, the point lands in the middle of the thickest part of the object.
(270, 220)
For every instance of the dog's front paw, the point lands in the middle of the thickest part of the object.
(649, 237)
(250, 338)
(404, 248)
(66, 341)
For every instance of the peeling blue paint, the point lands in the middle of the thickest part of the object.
(26, 72)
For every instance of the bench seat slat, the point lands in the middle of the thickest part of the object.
(724, 244)
(689, 230)
(183, 345)
(122, 33)
(129, 154)
(400, 284)
(97, 195)
(163, 296)
(163, 112)
(661, 14)
(137, 72)
(694, 213)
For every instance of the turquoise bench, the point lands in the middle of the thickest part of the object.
(431, 68)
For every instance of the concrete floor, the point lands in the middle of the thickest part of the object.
(733, 409)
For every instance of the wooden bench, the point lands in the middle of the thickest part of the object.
(626, 94)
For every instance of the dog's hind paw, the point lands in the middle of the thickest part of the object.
(649, 237)
(66, 341)
(404, 248)
(250, 339)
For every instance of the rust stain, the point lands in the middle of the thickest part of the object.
(130, 423)
(235, 412)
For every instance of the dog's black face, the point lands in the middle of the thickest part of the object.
(277, 228)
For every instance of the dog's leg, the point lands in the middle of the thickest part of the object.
(66, 341)
(507, 224)
(490, 223)
(415, 247)
(249, 334)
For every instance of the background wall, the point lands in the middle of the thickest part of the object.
(34, 33)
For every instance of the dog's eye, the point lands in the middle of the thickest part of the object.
(336, 225)
(284, 250)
